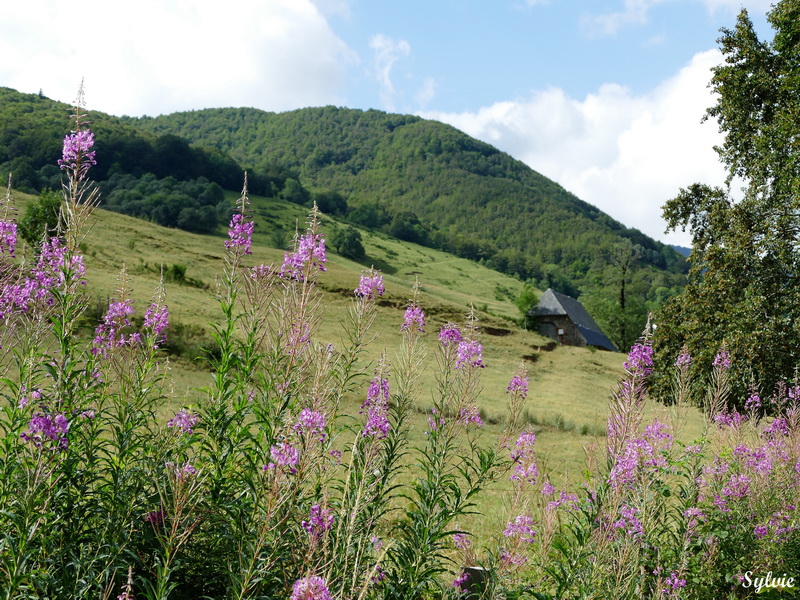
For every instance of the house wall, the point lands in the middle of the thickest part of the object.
(549, 326)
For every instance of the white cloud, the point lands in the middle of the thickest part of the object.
(624, 153)
(634, 12)
(637, 12)
(387, 53)
(162, 56)
(426, 92)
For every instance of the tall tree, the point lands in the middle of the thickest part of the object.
(744, 286)
(617, 299)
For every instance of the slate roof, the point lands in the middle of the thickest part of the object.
(554, 303)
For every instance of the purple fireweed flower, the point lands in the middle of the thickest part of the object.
(461, 541)
(729, 419)
(722, 360)
(52, 268)
(24, 400)
(285, 456)
(761, 531)
(312, 423)
(470, 354)
(44, 427)
(695, 515)
(640, 455)
(753, 402)
(8, 237)
(414, 318)
(657, 433)
(187, 470)
(459, 581)
(379, 575)
(521, 527)
(435, 422)
(310, 251)
(684, 360)
(518, 385)
(672, 584)
(320, 520)
(640, 360)
(310, 588)
(449, 334)
(108, 334)
(564, 499)
(512, 559)
(184, 420)
(738, 487)
(77, 153)
(470, 415)
(298, 338)
(548, 489)
(376, 407)
(156, 319)
(629, 521)
(370, 286)
(50, 272)
(525, 469)
(778, 428)
(240, 232)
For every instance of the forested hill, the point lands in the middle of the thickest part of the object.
(433, 183)
(411, 178)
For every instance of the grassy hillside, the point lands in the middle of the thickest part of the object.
(569, 386)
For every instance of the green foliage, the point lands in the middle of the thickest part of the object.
(526, 300)
(743, 290)
(41, 217)
(347, 242)
(195, 205)
(330, 203)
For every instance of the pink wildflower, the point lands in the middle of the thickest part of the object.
(470, 354)
(521, 527)
(449, 334)
(44, 427)
(76, 153)
(310, 588)
(370, 286)
(184, 420)
(240, 233)
(414, 318)
(377, 408)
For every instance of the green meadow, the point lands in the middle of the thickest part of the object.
(569, 387)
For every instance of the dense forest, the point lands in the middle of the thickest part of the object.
(161, 178)
(415, 179)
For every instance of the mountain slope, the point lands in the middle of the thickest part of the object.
(466, 196)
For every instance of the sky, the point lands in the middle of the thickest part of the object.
(605, 97)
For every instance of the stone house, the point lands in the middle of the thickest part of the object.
(566, 321)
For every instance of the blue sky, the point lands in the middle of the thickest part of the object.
(603, 96)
